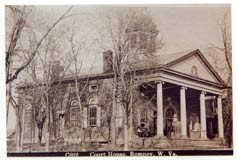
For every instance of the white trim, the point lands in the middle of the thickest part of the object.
(203, 116)
(190, 84)
(183, 112)
(160, 114)
(220, 118)
(183, 82)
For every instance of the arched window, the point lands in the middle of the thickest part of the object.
(93, 101)
(93, 112)
(74, 113)
(194, 71)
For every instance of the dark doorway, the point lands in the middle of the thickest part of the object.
(212, 127)
(154, 123)
(169, 128)
(211, 120)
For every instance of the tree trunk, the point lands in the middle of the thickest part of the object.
(83, 148)
(22, 128)
(230, 118)
(130, 124)
(113, 117)
(125, 129)
(8, 93)
(47, 136)
(18, 132)
(131, 117)
(54, 127)
(47, 140)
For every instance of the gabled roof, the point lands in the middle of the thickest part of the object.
(178, 57)
(170, 61)
(170, 57)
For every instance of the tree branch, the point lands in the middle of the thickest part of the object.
(15, 75)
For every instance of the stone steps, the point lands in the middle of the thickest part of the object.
(164, 143)
(137, 144)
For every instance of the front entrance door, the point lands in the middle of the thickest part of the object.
(154, 129)
(169, 117)
(212, 127)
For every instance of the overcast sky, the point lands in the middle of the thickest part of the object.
(184, 27)
(189, 27)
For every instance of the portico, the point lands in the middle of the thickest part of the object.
(189, 115)
(188, 98)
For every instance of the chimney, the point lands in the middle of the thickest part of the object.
(56, 70)
(108, 61)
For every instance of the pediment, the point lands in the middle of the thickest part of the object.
(195, 65)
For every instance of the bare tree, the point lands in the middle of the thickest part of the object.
(51, 87)
(20, 20)
(16, 62)
(127, 29)
(225, 31)
(78, 45)
(226, 50)
(45, 75)
(16, 42)
(226, 41)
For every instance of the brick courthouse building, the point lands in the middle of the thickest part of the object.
(177, 103)
(178, 100)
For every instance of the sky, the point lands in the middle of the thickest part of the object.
(189, 27)
(183, 27)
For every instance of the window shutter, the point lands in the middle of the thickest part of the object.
(84, 117)
(98, 116)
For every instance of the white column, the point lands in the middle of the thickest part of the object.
(159, 110)
(183, 112)
(220, 118)
(203, 116)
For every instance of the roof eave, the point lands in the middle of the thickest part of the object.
(187, 76)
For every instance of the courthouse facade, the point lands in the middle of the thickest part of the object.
(177, 101)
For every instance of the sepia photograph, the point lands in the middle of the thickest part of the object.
(118, 80)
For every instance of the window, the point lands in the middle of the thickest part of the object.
(143, 117)
(93, 87)
(194, 71)
(93, 112)
(92, 116)
(74, 114)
